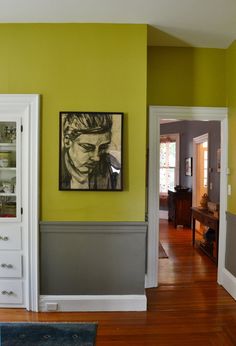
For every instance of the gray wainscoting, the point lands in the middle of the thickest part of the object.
(92, 258)
(230, 254)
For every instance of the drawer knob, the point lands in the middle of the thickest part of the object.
(3, 238)
(9, 293)
(4, 265)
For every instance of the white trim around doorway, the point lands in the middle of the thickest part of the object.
(26, 106)
(196, 141)
(156, 113)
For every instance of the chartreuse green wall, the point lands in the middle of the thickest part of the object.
(231, 103)
(82, 67)
(186, 77)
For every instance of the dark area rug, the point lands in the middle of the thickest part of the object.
(47, 334)
(162, 253)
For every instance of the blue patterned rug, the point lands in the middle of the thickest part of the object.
(47, 334)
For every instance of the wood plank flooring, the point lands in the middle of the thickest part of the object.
(188, 307)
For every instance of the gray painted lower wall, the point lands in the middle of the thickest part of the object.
(230, 254)
(95, 258)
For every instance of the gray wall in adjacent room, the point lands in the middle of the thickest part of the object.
(230, 255)
(188, 130)
(94, 258)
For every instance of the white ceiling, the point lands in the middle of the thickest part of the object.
(199, 23)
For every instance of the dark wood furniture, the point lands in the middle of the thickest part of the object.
(210, 248)
(179, 207)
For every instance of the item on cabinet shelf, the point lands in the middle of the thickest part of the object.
(13, 182)
(210, 235)
(10, 134)
(4, 158)
(211, 206)
(9, 209)
(7, 187)
(203, 201)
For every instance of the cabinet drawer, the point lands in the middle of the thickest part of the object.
(10, 264)
(10, 237)
(11, 292)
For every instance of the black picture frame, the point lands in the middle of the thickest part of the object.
(188, 166)
(90, 151)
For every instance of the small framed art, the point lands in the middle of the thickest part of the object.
(188, 166)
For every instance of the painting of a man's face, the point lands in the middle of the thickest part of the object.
(90, 151)
(86, 150)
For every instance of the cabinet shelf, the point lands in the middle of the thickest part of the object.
(7, 194)
(10, 145)
(7, 168)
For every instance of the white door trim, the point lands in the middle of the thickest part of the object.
(181, 113)
(196, 141)
(27, 107)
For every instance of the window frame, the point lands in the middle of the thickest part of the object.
(176, 138)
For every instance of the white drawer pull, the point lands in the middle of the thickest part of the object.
(4, 265)
(3, 238)
(9, 293)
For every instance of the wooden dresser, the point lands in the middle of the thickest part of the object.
(179, 207)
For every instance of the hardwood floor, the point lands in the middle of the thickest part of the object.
(188, 308)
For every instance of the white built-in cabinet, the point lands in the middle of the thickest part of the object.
(12, 273)
(19, 201)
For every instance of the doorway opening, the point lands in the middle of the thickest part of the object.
(181, 197)
(180, 113)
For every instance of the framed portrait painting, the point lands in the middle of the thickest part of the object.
(188, 166)
(90, 154)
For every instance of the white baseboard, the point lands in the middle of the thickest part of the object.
(163, 214)
(229, 282)
(93, 303)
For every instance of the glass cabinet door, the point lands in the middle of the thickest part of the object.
(9, 170)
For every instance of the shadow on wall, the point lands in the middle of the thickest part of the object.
(157, 37)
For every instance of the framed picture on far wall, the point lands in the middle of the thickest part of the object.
(90, 154)
(188, 166)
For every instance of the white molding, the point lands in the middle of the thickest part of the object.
(27, 107)
(189, 113)
(196, 140)
(156, 113)
(93, 303)
(163, 214)
(223, 199)
(153, 199)
(229, 281)
(201, 139)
